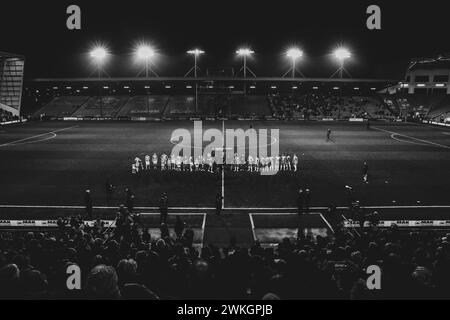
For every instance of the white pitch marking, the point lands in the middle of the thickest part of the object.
(36, 136)
(6, 206)
(252, 223)
(417, 139)
(223, 166)
(327, 223)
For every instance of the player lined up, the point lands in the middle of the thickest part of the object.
(238, 163)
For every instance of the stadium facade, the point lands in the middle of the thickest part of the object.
(11, 82)
(428, 74)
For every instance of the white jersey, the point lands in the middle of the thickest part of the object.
(147, 159)
(137, 162)
(163, 160)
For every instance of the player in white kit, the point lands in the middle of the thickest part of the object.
(154, 161)
(147, 162)
(295, 162)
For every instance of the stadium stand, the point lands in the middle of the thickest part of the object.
(127, 263)
(319, 105)
(6, 116)
(107, 107)
(63, 106)
(246, 106)
(144, 106)
(180, 106)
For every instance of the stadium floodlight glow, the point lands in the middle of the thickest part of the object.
(245, 52)
(145, 53)
(99, 54)
(294, 54)
(196, 53)
(341, 54)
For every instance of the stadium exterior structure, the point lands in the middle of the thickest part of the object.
(173, 85)
(11, 82)
(428, 74)
(86, 92)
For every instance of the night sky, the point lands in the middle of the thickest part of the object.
(37, 29)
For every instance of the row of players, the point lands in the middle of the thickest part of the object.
(283, 162)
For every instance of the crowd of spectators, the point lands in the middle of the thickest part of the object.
(6, 116)
(127, 262)
(320, 105)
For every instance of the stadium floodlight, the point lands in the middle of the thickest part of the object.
(294, 54)
(196, 53)
(145, 53)
(99, 55)
(244, 53)
(341, 54)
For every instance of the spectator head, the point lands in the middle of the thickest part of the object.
(9, 281)
(126, 271)
(102, 283)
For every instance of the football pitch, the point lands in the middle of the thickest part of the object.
(46, 166)
(51, 163)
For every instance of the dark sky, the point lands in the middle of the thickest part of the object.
(37, 29)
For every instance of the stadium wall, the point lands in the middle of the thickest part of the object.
(11, 82)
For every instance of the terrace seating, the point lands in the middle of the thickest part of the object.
(180, 106)
(144, 106)
(319, 105)
(63, 106)
(106, 107)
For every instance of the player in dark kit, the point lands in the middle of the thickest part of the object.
(365, 172)
(109, 189)
(219, 199)
(88, 203)
(163, 208)
(300, 201)
(329, 135)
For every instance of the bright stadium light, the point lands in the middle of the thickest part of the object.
(196, 53)
(341, 54)
(99, 54)
(294, 54)
(144, 53)
(244, 53)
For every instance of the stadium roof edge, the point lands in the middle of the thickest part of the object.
(182, 79)
(11, 55)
